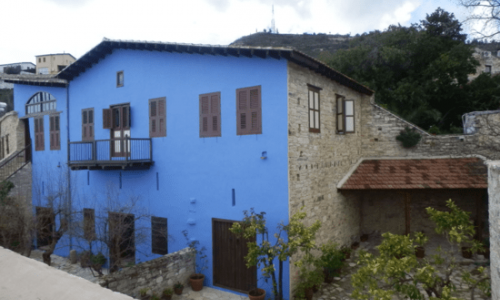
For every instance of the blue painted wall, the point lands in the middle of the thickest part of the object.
(196, 175)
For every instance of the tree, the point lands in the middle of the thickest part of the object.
(486, 14)
(288, 240)
(418, 72)
(397, 272)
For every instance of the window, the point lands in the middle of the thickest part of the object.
(55, 137)
(487, 69)
(119, 79)
(88, 124)
(248, 111)
(121, 235)
(39, 138)
(210, 115)
(314, 117)
(41, 102)
(159, 235)
(157, 117)
(345, 115)
(89, 224)
(39, 59)
(44, 59)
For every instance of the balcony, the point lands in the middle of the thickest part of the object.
(112, 154)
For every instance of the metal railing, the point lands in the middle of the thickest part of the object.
(15, 162)
(112, 151)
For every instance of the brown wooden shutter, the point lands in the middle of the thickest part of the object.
(157, 117)
(249, 111)
(210, 116)
(159, 235)
(39, 137)
(107, 118)
(55, 143)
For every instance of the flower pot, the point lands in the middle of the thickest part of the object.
(355, 245)
(466, 253)
(257, 294)
(196, 281)
(347, 253)
(420, 252)
(166, 297)
(364, 237)
(178, 291)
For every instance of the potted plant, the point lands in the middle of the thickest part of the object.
(355, 245)
(332, 260)
(310, 280)
(201, 261)
(466, 252)
(97, 262)
(257, 294)
(420, 239)
(143, 293)
(178, 287)
(155, 297)
(167, 294)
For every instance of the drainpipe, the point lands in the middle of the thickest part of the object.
(69, 172)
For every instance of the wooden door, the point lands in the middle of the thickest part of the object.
(120, 130)
(229, 268)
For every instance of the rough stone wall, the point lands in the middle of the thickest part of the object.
(318, 161)
(11, 126)
(384, 211)
(156, 274)
(494, 218)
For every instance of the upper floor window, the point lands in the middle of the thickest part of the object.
(88, 124)
(39, 136)
(210, 115)
(487, 69)
(314, 116)
(120, 78)
(41, 102)
(345, 115)
(55, 136)
(157, 117)
(248, 111)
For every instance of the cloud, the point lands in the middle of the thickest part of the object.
(219, 5)
(70, 3)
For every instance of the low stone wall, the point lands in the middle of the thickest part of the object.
(156, 274)
(494, 211)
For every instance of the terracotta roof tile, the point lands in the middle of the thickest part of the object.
(450, 173)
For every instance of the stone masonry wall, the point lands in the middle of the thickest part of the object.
(11, 126)
(494, 212)
(156, 274)
(318, 161)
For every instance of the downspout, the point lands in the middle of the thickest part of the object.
(69, 172)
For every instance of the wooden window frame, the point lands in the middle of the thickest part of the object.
(342, 115)
(41, 103)
(120, 83)
(39, 134)
(88, 127)
(89, 224)
(314, 109)
(157, 118)
(159, 237)
(211, 115)
(246, 116)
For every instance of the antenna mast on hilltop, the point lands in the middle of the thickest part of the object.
(273, 28)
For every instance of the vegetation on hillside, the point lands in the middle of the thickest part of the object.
(420, 72)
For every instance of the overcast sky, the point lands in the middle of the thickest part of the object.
(36, 27)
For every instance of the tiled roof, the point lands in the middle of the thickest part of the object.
(392, 174)
(34, 79)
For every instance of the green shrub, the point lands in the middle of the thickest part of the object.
(409, 137)
(332, 258)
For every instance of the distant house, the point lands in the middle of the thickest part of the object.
(489, 62)
(53, 63)
(200, 133)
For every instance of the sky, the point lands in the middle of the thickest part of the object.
(37, 27)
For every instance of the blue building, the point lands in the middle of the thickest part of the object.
(192, 135)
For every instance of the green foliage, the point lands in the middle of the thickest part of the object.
(143, 291)
(5, 188)
(288, 240)
(420, 72)
(168, 292)
(178, 285)
(154, 297)
(308, 279)
(409, 137)
(98, 259)
(332, 258)
(434, 130)
(199, 254)
(396, 272)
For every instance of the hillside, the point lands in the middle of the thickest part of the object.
(311, 44)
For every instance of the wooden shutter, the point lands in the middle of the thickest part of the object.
(39, 137)
(126, 124)
(249, 111)
(159, 235)
(210, 116)
(349, 116)
(107, 118)
(55, 141)
(157, 117)
(340, 115)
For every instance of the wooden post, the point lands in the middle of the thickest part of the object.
(407, 212)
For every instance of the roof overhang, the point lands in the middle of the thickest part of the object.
(107, 46)
(416, 174)
(38, 80)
